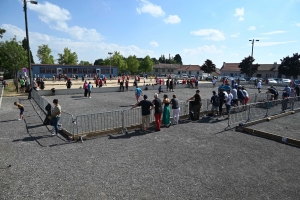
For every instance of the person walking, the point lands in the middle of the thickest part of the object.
(146, 106)
(138, 93)
(166, 113)
(158, 111)
(89, 89)
(175, 108)
(55, 114)
(85, 87)
(21, 108)
(259, 86)
(196, 104)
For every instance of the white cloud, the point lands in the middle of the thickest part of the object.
(86, 50)
(154, 44)
(273, 32)
(235, 35)
(234, 55)
(270, 54)
(152, 9)
(56, 18)
(210, 34)
(200, 50)
(251, 28)
(172, 19)
(266, 44)
(239, 12)
(298, 24)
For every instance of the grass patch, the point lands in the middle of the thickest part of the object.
(10, 90)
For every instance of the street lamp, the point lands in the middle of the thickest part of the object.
(110, 53)
(252, 53)
(27, 37)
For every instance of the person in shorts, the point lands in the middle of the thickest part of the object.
(215, 102)
(146, 106)
(228, 100)
(21, 107)
(138, 93)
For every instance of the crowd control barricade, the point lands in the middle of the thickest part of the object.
(296, 103)
(239, 114)
(67, 122)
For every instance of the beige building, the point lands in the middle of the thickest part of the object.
(163, 68)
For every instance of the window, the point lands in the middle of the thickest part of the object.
(70, 71)
(168, 70)
(163, 70)
(80, 70)
(94, 70)
(190, 72)
(53, 70)
(258, 75)
(48, 70)
(75, 70)
(84, 70)
(89, 70)
(64, 70)
(42, 70)
(112, 71)
(156, 70)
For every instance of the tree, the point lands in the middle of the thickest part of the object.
(208, 67)
(155, 61)
(290, 66)
(43, 53)
(117, 60)
(146, 65)
(178, 59)
(162, 59)
(84, 62)
(2, 31)
(132, 64)
(67, 58)
(99, 62)
(247, 67)
(13, 57)
(24, 44)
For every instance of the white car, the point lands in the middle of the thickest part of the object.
(192, 76)
(285, 80)
(184, 76)
(272, 80)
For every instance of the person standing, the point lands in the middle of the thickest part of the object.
(240, 95)
(246, 95)
(222, 95)
(89, 89)
(167, 84)
(55, 113)
(69, 83)
(21, 108)
(196, 104)
(234, 97)
(158, 111)
(138, 93)
(166, 113)
(171, 86)
(176, 109)
(259, 86)
(215, 102)
(228, 100)
(126, 85)
(85, 87)
(122, 86)
(147, 106)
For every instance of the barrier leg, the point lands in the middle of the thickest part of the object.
(123, 130)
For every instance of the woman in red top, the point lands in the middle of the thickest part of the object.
(97, 82)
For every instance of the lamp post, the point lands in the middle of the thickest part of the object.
(252, 53)
(110, 53)
(27, 37)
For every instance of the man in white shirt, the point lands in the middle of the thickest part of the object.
(214, 81)
(234, 97)
(259, 86)
(228, 100)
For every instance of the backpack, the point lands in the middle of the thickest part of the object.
(216, 100)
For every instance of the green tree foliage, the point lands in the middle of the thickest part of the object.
(155, 61)
(208, 66)
(43, 53)
(247, 64)
(132, 64)
(162, 59)
(82, 62)
(117, 60)
(24, 45)
(13, 57)
(146, 65)
(99, 62)
(178, 59)
(67, 58)
(290, 66)
(2, 31)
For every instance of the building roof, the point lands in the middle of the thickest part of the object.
(166, 66)
(262, 67)
(62, 65)
(230, 67)
(189, 68)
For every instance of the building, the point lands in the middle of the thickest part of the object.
(48, 70)
(191, 70)
(164, 69)
(264, 70)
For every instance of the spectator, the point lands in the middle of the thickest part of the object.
(56, 113)
(122, 86)
(215, 102)
(176, 109)
(259, 86)
(222, 95)
(160, 89)
(228, 100)
(234, 97)
(171, 86)
(246, 95)
(240, 95)
(146, 107)
(89, 89)
(196, 104)
(69, 83)
(166, 114)
(158, 111)
(85, 87)
(287, 89)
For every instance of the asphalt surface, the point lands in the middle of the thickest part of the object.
(192, 160)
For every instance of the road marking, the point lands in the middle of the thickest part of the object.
(1, 96)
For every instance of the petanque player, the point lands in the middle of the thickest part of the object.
(146, 106)
(21, 107)
(196, 104)
(138, 93)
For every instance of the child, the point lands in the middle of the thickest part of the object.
(20, 106)
(160, 89)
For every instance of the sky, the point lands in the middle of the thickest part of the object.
(218, 30)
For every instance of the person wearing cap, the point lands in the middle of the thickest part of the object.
(259, 86)
(196, 104)
(146, 106)
(157, 111)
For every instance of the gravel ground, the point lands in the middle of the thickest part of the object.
(192, 160)
(287, 126)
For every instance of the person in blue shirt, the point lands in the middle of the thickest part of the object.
(160, 89)
(221, 87)
(138, 93)
(227, 87)
(288, 90)
(89, 89)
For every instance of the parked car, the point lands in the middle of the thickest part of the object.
(284, 80)
(184, 75)
(192, 76)
(277, 79)
(209, 78)
(297, 81)
(271, 80)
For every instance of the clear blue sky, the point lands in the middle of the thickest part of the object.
(197, 30)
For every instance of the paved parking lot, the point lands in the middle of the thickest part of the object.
(192, 160)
